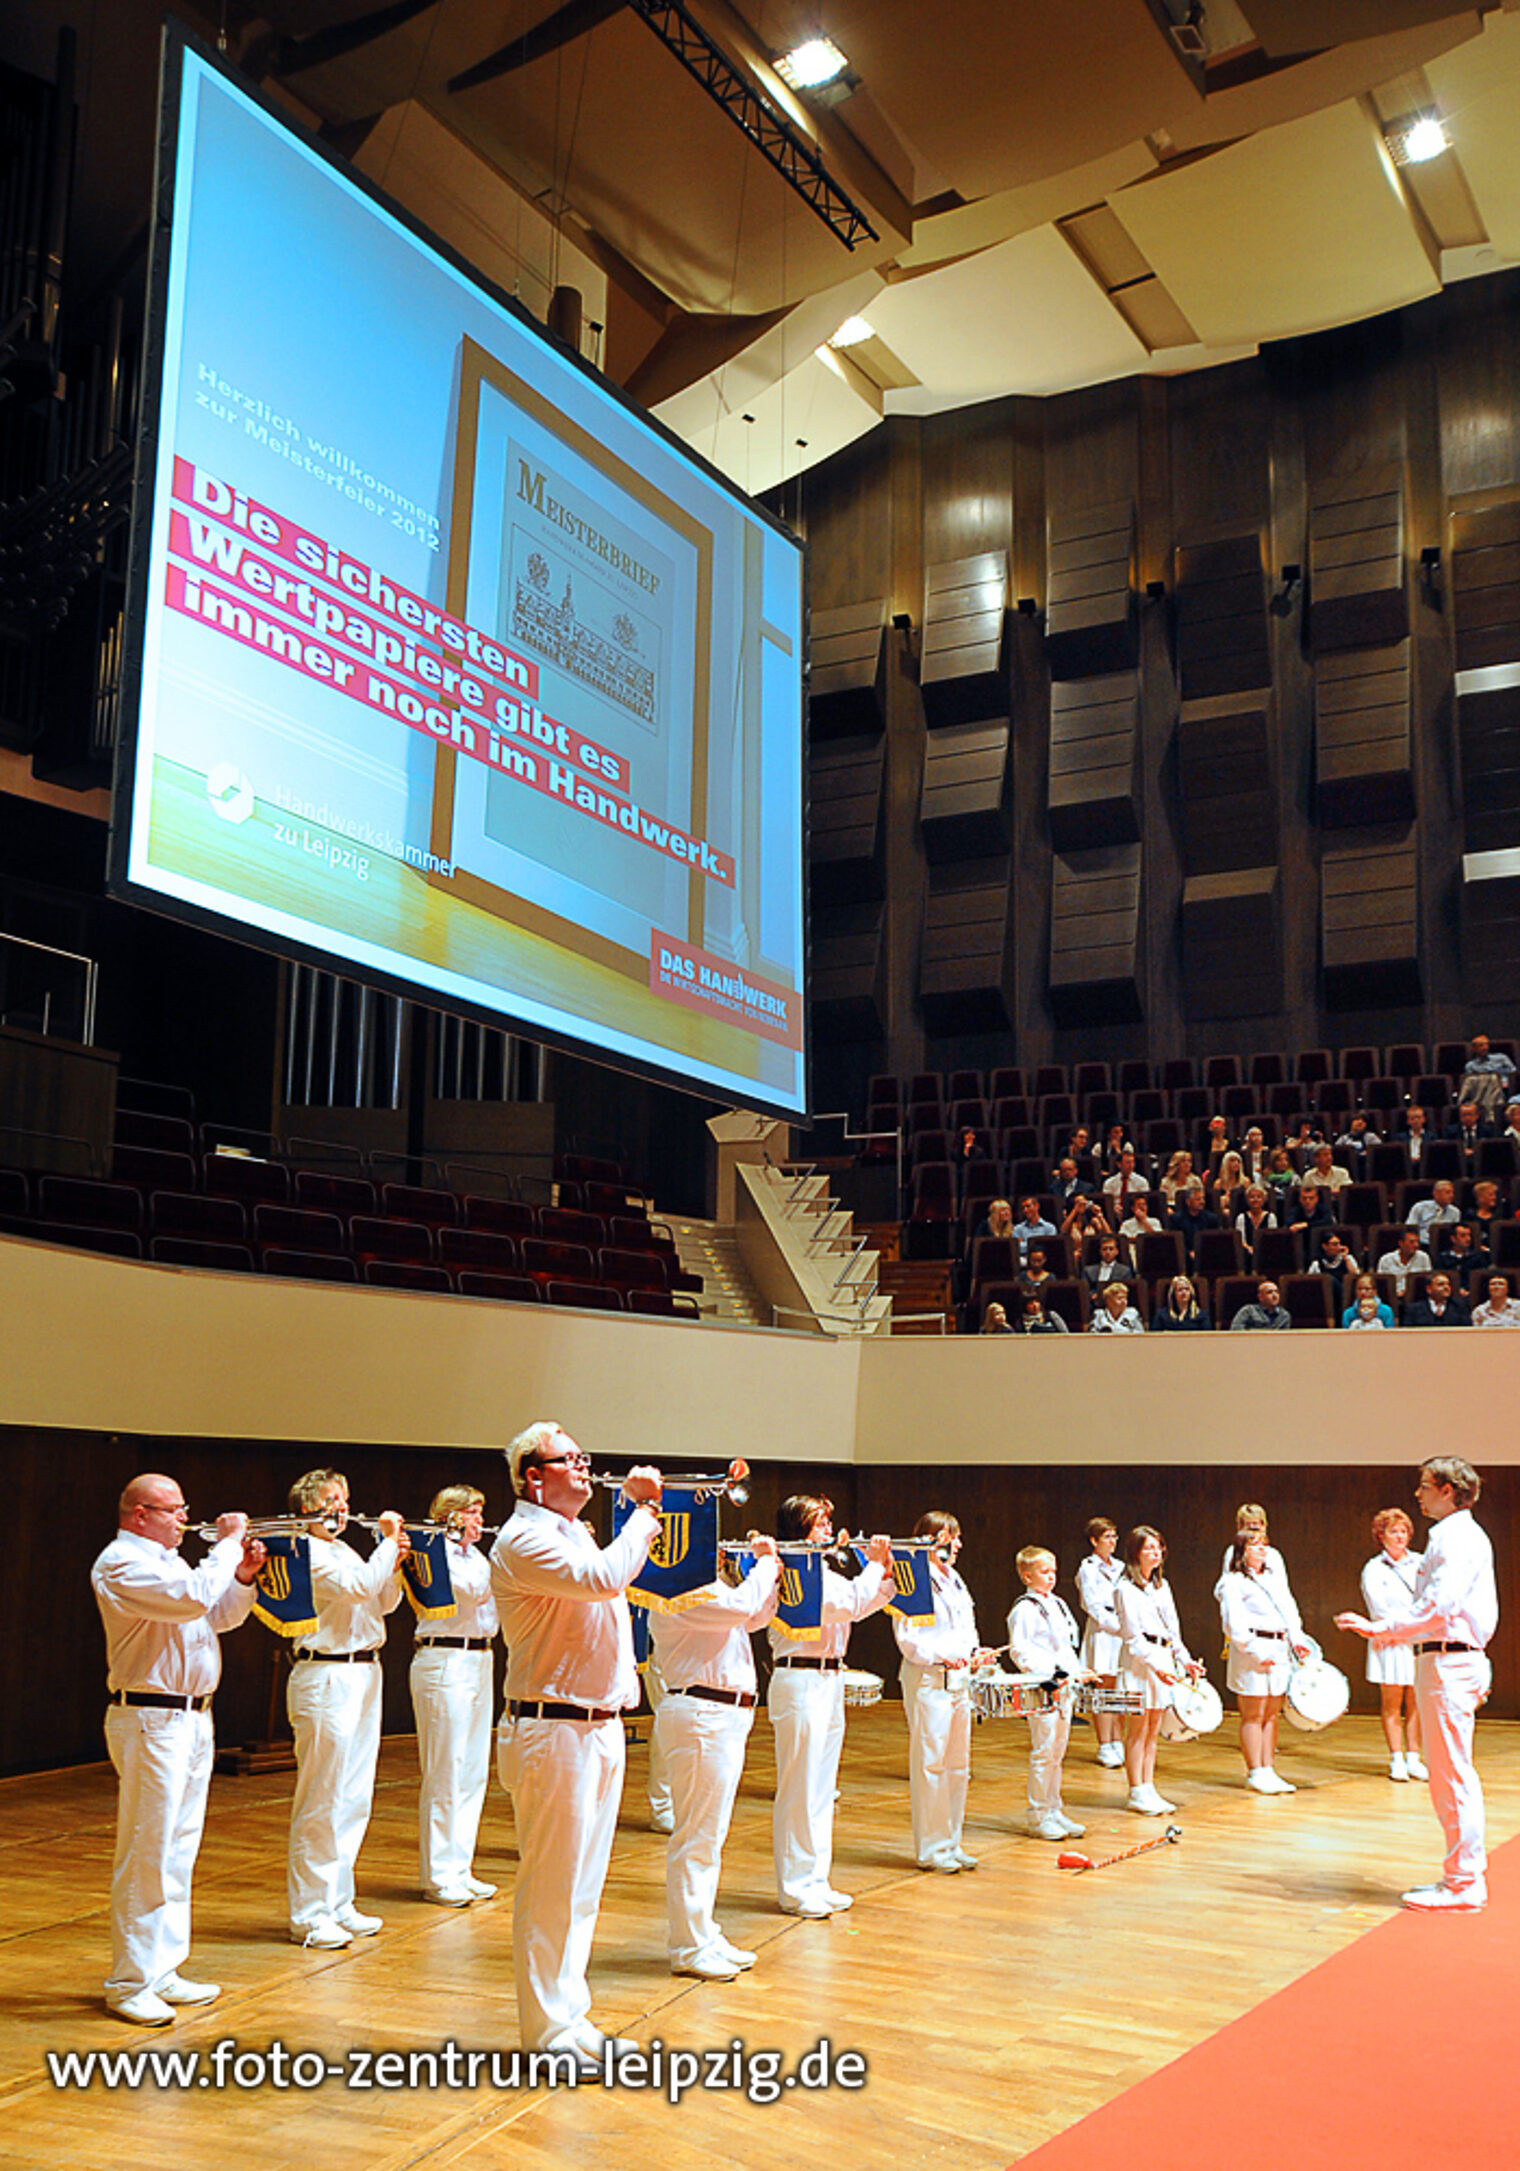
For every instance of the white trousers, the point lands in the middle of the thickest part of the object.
(659, 1777)
(703, 1749)
(565, 1777)
(163, 1760)
(335, 1717)
(1049, 1732)
(1448, 1687)
(807, 1715)
(939, 1757)
(451, 1697)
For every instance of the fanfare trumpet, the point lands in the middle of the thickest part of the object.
(259, 1526)
(731, 1484)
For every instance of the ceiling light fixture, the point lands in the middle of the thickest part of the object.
(1421, 138)
(808, 66)
(852, 332)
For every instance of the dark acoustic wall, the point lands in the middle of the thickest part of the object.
(1290, 770)
(52, 1683)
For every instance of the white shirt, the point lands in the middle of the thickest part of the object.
(475, 1614)
(1147, 1621)
(1505, 1315)
(162, 1617)
(952, 1632)
(1388, 1584)
(563, 1614)
(1273, 1567)
(1399, 1270)
(1259, 1613)
(707, 1645)
(1455, 1599)
(844, 1603)
(1128, 1321)
(352, 1595)
(1097, 1579)
(1043, 1635)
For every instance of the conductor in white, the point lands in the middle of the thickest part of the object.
(570, 1678)
(162, 1620)
(1449, 1620)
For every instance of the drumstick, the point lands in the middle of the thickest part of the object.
(1169, 1838)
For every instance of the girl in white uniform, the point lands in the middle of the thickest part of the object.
(1251, 1522)
(1102, 1651)
(1042, 1640)
(452, 1680)
(1387, 1587)
(1265, 1633)
(806, 1702)
(1155, 1659)
(937, 1657)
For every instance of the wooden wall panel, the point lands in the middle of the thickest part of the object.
(847, 689)
(1363, 736)
(1091, 621)
(964, 810)
(1221, 601)
(1370, 924)
(1224, 778)
(1490, 922)
(963, 673)
(1232, 943)
(1357, 589)
(849, 972)
(1094, 761)
(1095, 934)
(847, 859)
(1488, 725)
(1485, 580)
(966, 966)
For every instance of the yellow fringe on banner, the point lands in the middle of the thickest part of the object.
(283, 1628)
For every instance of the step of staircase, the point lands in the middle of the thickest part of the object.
(918, 1286)
(729, 1298)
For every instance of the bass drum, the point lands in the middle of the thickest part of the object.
(1193, 1708)
(1318, 1693)
(861, 1689)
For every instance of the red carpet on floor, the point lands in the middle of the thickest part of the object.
(1400, 2054)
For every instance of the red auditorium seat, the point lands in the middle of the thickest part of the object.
(506, 1217)
(197, 1251)
(585, 1296)
(344, 1196)
(418, 1202)
(500, 1288)
(371, 1236)
(81, 1199)
(406, 1274)
(310, 1265)
(482, 1251)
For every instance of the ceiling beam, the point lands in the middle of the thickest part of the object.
(576, 19)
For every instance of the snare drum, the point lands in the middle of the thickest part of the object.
(1318, 1693)
(1092, 1696)
(998, 1695)
(1192, 1708)
(861, 1688)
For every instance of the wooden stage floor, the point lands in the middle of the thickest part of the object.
(994, 2009)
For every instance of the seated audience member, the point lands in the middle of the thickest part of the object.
(1218, 1146)
(1124, 1186)
(1115, 1147)
(1253, 1151)
(1030, 1226)
(1036, 1275)
(1141, 1222)
(1266, 1312)
(1487, 1077)
(1034, 1319)
(1366, 1312)
(1180, 1313)
(1439, 1211)
(995, 1320)
(1190, 1213)
(997, 1221)
(1281, 1178)
(1500, 1309)
(1366, 1286)
(1084, 1218)
(1115, 1314)
(1438, 1307)
(1336, 1263)
(1465, 1256)
(1079, 1145)
(1485, 1211)
(1510, 1129)
(1255, 1216)
(1179, 1174)
(1067, 1184)
(1469, 1126)
(1417, 1135)
(1110, 1264)
(1326, 1172)
(1307, 1212)
(1226, 1182)
(1358, 1136)
(1410, 1259)
(1302, 1140)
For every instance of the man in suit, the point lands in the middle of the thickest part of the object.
(1109, 1265)
(1438, 1307)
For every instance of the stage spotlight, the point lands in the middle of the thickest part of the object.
(809, 66)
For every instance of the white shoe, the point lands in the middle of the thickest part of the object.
(966, 1861)
(144, 2008)
(325, 1934)
(662, 1820)
(736, 1953)
(1416, 1766)
(838, 1901)
(812, 1909)
(362, 1925)
(179, 1990)
(1464, 1899)
(1141, 1801)
(1398, 1765)
(478, 1889)
(1048, 1828)
(1070, 1827)
(1111, 1754)
(945, 1860)
(456, 1896)
(1260, 1780)
(712, 1966)
(1280, 1785)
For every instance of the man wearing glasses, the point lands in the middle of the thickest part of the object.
(570, 1678)
(162, 1619)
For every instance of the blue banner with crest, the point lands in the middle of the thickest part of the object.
(910, 1573)
(684, 1557)
(799, 1604)
(282, 1596)
(425, 1575)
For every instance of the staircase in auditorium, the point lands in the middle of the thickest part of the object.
(729, 1298)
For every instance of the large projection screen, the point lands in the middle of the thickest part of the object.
(445, 665)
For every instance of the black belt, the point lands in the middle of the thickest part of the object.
(1420, 1649)
(818, 1665)
(595, 1713)
(150, 1700)
(453, 1643)
(744, 1698)
(1270, 1635)
(342, 1658)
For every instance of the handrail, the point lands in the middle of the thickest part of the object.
(75, 957)
(853, 1320)
(55, 1138)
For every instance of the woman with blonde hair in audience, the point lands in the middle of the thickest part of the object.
(1179, 1174)
(1115, 1314)
(1255, 1215)
(1180, 1310)
(1229, 1181)
(1387, 1587)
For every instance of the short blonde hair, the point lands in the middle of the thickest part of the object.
(454, 1500)
(1387, 1519)
(1033, 1556)
(306, 1493)
(529, 1445)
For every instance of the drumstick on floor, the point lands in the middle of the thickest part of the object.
(1169, 1838)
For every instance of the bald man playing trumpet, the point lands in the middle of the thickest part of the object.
(162, 1619)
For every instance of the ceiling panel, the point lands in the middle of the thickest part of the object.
(817, 404)
(1478, 91)
(1027, 317)
(1287, 232)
